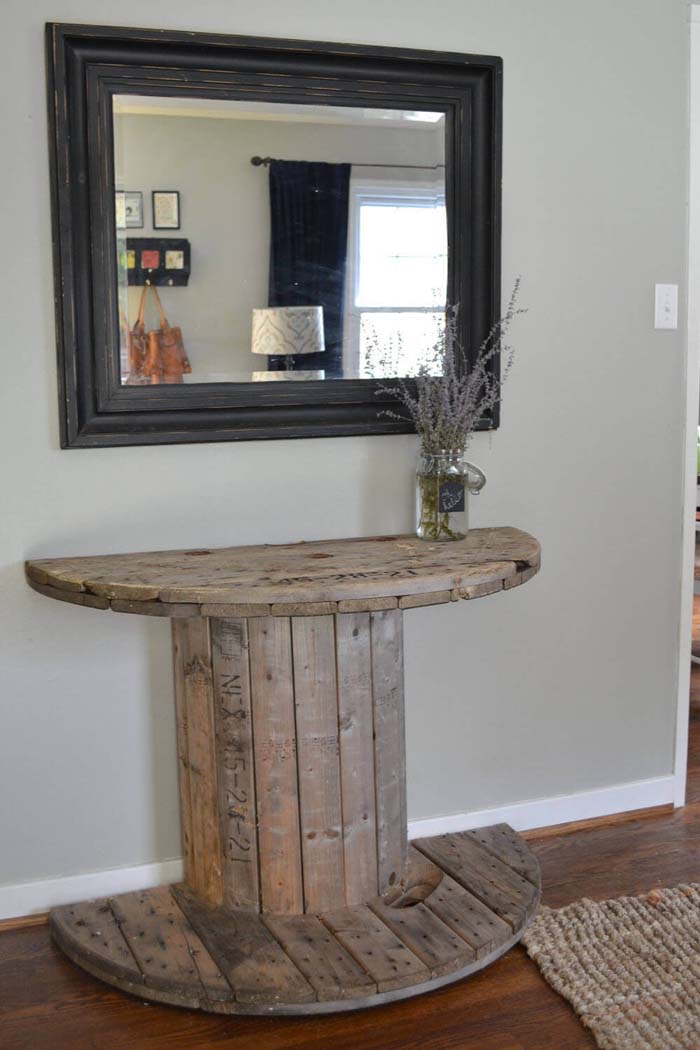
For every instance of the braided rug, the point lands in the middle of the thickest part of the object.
(630, 967)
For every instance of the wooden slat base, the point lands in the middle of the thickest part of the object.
(465, 901)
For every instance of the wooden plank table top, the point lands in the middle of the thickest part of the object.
(294, 579)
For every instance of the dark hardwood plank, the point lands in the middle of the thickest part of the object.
(622, 860)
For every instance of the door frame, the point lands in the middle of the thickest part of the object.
(692, 411)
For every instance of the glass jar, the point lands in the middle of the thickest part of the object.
(444, 480)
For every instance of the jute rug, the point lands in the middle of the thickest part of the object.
(629, 967)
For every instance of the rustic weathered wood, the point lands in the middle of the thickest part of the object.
(300, 890)
(234, 610)
(43, 577)
(420, 878)
(91, 936)
(329, 969)
(355, 723)
(75, 597)
(427, 936)
(352, 605)
(448, 854)
(416, 601)
(193, 655)
(216, 988)
(126, 590)
(256, 967)
(520, 577)
(279, 728)
(49, 1005)
(153, 608)
(478, 590)
(473, 855)
(389, 746)
(377, 950)
(316, 707)
(235, 762)
(304, 609)
(504, 843)
(162, 953)
(179, 644)
(429, 931)
(165, 946)
(467, 916)
(247, 581)
(279, 845)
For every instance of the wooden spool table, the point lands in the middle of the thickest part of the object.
(301, 892)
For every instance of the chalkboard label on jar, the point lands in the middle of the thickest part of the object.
(451, 496)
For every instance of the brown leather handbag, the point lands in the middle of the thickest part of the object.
(166, 360)
(138, 344)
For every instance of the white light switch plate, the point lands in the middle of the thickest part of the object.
(666, 306)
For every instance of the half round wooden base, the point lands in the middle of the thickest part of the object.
(466, 899)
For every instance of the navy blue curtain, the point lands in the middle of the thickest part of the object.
(308, 248)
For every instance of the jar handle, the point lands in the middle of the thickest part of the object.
(478, 483)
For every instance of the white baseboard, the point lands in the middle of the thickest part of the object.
(29, 898)
(562, 809)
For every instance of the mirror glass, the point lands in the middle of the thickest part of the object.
(266, 242)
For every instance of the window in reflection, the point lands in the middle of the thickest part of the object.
(397, 284)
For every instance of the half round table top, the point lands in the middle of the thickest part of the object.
(307, 578)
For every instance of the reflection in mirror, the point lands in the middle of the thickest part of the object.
(259, 241)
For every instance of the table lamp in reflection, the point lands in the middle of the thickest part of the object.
(288, 332)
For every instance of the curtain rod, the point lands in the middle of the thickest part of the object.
(258, 162)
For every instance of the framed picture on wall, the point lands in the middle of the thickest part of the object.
(128, 207)
(120, 210)
(166, 210)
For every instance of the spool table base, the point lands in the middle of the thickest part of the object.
(466, 900)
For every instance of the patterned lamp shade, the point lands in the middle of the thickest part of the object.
(288, 330)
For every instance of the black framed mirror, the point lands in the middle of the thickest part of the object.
(289, 219)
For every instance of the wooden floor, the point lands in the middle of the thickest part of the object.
(46, 1003)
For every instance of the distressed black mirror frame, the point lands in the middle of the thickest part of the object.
(87, 65)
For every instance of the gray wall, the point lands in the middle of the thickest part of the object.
(565, 684)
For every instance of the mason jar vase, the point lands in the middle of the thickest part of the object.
(444, 481)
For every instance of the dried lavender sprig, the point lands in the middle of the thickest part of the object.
(447, 407)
